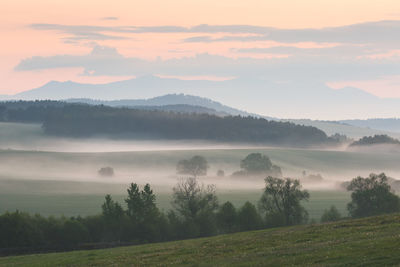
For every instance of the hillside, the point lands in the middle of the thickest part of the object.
(389, 124)
(256, 95)
(182, 108)
(163, 102)
(86, 121)
(15, 111)
(371, 241)
(376, 140)
(351, 131)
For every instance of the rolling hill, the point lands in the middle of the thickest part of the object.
(275, 99)
(389, 124)
(169, 102)
(372, 241)
(351, 131)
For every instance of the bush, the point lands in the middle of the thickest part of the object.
(331, 215)
(106, 172)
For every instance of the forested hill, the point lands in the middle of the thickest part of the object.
(164, 101)
(170, 122)
(86, 121)
(376, 140)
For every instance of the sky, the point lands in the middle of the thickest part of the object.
(336, 42)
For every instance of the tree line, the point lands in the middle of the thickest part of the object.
(382, 139)
(82, 120)
(196, 212)
(253, 165)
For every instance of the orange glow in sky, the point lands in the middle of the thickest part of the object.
(19, 41)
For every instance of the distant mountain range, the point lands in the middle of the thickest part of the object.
(392, 124)
(289, 99)
(149, 92)
(171, 102)
(351, 131)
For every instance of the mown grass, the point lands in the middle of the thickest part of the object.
(373, 241)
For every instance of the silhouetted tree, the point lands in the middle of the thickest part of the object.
(372, 196)
(106, 171)
(281, 202)
(196, 166)
(113, 217)
(227, 218)
(196, 205)
(248, 217)
(258, 164)
(143, 213)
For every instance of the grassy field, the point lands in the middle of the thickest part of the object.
(292, 161)
(62, 182)
(373, 241)
(90, 204)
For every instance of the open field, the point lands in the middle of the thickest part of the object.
(25, 153)
(333, 165)
(69, 204)
(54, 176)
(373, 241)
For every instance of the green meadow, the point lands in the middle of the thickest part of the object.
(373, 241)
(54, 176)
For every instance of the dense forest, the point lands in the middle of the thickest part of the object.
(28, 111)
(82, 120)
(376, 140)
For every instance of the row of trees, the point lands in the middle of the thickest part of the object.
(254, 164)
(382, 139)
(196, 212)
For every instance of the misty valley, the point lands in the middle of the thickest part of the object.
(88, 176)
(199, 133)
(104, 176)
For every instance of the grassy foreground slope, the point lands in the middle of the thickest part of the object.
(373, 241)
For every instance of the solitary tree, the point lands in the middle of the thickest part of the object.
(106, 172)
(196, 205)
(372, 196)
(258, 164)
(281, 202)
(196, 166)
